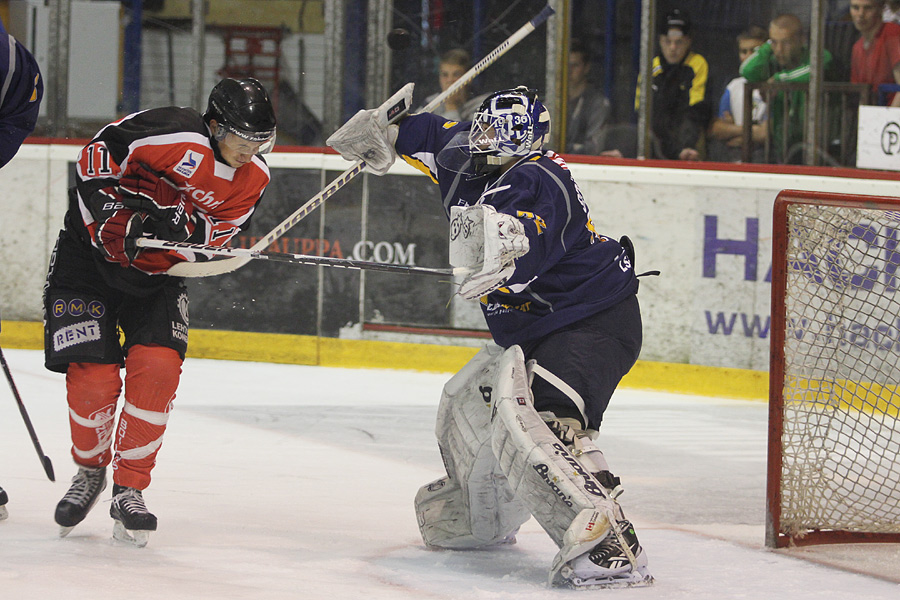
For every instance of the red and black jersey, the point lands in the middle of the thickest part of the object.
(174, 142)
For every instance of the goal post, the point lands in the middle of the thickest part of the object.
(834, 393)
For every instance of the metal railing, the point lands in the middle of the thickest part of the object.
(836, 143)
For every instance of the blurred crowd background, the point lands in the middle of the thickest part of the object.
(322, 60)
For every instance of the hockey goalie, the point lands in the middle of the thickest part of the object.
(516, 426)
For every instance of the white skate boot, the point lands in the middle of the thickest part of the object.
(607, 565)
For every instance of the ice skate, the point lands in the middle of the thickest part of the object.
(607, 565)
(133, 521)
(80, 499)
(3, 500)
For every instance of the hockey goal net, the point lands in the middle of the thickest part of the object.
(834, 406)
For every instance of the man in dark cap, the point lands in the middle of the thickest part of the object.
(681, 110)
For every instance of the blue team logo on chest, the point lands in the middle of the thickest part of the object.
(189, 164)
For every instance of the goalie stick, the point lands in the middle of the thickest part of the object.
(247, 254)
(220, 267)
(45, 460)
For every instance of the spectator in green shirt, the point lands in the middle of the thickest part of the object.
(784, 58)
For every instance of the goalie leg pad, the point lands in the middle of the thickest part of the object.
(567, 501)
(473, 507)
(447, 521)
(540, 469)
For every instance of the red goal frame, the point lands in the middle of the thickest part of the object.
(775, 538)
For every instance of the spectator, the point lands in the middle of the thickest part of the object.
(726, 131)
(461, 105)
(680, 107)
(21, 90)
(875, 58)
(587, 109)
(784, 58)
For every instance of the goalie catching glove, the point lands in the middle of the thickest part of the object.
(369, 135)
(167, 209)
(486, 243)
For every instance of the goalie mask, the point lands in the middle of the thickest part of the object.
(244, 114)
(509, 124)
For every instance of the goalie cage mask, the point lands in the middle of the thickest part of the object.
(242, 107)
(508, 124)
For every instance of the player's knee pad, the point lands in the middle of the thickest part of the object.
(92, 391)
(474, 506)
(561, 494)
(152, 374)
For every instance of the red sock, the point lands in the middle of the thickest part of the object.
(92, 393)
(151, 378)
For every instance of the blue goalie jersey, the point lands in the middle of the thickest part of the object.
(570, 272)
(21, 90)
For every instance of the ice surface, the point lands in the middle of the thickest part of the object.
(281, 481)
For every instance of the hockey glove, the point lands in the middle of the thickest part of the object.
(370, 135)
(487, 243)
(116, 236)
(367, 137)
(167, 208)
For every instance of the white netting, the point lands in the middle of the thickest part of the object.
(841, 436)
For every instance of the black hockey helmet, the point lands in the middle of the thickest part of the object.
(242, 107)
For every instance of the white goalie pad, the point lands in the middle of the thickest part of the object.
(473, 507)
(571, 506)
(486, 243)
(369, 135)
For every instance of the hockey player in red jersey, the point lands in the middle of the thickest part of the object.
(169, 173)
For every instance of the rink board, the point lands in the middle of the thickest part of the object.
(707, 228)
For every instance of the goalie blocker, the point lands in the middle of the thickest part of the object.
(486, 243)
(504, 462)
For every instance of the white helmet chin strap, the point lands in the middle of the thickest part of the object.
(500, 160)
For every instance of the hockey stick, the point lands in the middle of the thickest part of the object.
(395, 107)
(247, 254)
(220, 267)
(496, 53)
(45, 460)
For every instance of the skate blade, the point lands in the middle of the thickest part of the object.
(639, 578)
(3, 512)
(64, 531)
(137, 537)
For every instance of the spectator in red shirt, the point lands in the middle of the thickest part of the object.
(876, 54)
